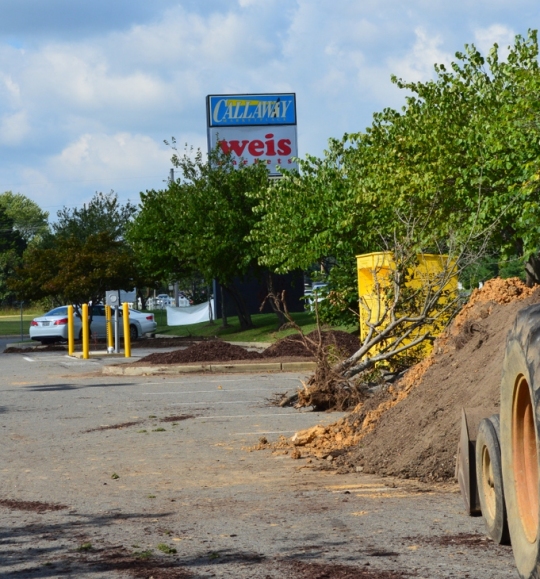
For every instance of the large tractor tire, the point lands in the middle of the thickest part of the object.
(520, 403)
(489, 480)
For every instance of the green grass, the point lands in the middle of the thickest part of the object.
(265, 329)
(164, 548)
(10, 323)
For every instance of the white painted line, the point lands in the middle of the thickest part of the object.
(263, 432)
(199, 381)
(204, 391)
(248, 415)
(211, 402)
(28, 359)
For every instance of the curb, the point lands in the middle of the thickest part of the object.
(99, 354)
(123, 370)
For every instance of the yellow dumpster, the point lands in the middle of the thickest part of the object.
(375, 271)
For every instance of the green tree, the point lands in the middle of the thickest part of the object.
(201, 222)
(84, 255)
(103, 213)
(462, 155)
(75, 271)
(12, 246)
(28, 218)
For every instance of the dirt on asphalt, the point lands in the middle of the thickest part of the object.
(186, 501)
(32, 506)
(411, 429)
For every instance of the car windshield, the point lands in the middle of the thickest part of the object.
(58, 312)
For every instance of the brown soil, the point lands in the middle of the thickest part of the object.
(34, 506)
(303, 570)
(342, 343)
(178, 418)
(411, 429)
(118, 559)
(116, 426)
(212, 351)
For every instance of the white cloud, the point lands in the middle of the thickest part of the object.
(499, 34)
(113, 156)
(91, 109)
(14, 128)
(417, 64)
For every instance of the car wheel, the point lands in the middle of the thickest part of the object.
(133, 332)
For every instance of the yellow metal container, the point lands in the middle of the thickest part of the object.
(375, 272)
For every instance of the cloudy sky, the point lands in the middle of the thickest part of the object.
(90, 89)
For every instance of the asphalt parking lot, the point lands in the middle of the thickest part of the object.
(154, 477)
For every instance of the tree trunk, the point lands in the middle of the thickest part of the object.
(224, 323)
(211, 313)
(140, 295)
(532, 269)
(274, 299)
(244, 317)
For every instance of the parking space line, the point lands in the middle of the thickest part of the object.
(263, 432)
(205, 391)
(249, 415)
(199, 381)
(212, 402)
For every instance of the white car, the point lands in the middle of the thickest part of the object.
(52, 327)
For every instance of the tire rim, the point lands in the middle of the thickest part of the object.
(525, 458)
(488, 484)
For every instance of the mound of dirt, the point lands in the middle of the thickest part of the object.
(344, 345)
(411, 429)
(212, 351)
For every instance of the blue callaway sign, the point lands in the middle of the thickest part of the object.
(251, 110)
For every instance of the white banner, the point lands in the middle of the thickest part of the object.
(189, 315)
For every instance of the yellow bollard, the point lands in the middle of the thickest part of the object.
(127, 338)
(85, 333)
(108, 322)
(71, 332)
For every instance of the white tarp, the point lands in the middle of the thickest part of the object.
(189, 315)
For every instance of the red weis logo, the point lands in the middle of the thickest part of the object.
(257, 148)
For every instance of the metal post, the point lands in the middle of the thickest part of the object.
(116, 329)
(71, 332)
(108, 322)
(176, 293)
(85, 332)
(127, 337)
(22, 331)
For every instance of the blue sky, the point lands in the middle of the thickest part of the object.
(89, 90)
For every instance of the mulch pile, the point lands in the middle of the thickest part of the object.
(411, 428)
(212, 351)
(342, 343)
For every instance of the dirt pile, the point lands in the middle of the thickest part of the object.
(411, 429)
(212, 351)
(342, 343)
